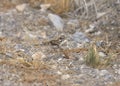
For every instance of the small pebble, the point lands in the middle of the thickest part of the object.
(44, 7)
(21, 7)
(102, 54)
(103, 72)
(64, 77)
(38, 55)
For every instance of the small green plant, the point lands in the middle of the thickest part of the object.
(92, 59)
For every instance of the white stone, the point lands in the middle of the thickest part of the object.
(102, 54)
(101, 14)
(59, 73)
(119, 71)
(57, 21)
(32, 36)
(98, 33)
(44, 7)
(0, 33)
(21, 7)
(91, 28)
(38, 56)
(64, 77)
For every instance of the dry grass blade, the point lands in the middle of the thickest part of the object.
(67, 52)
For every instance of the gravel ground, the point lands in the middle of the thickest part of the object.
(36, 52)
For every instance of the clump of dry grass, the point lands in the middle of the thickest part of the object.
(60, 6)
(57, 6)
(31, 71)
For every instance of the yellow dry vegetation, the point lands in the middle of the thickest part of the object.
(57, 6)
(30, 72)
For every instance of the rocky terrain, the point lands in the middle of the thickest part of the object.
(41, 47)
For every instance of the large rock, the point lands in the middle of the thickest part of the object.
(56, 21)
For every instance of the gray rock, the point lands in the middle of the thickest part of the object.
(80, 37)
(73, 23)
(103, 72)
(100, 43)
(106, 75)
(8, 54)
(57, 21)
(18, 47)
